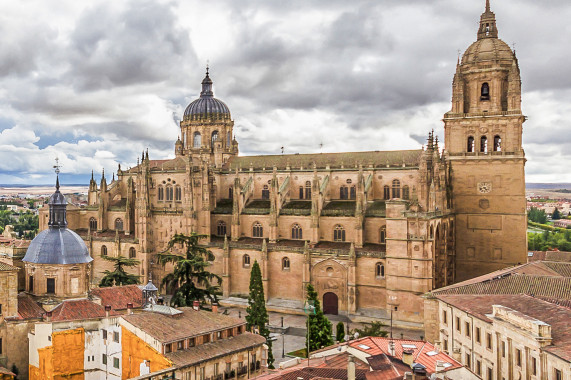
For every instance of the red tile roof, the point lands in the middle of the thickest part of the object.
(7, 267)
(71, 310)
(119, 296)
(28, 308)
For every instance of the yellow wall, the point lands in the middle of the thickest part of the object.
(63, 359)
(135, 350)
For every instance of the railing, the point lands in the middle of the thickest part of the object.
(295, 211)
(429, 214)
(256, 211)
(375, 213)
(476, 114)
(337, 212)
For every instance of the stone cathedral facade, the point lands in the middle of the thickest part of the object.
(371, 230)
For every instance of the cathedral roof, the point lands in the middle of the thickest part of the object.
(206, 106)
(57, 246)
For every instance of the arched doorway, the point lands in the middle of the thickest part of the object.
(330, 303)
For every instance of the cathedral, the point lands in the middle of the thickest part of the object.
(372, 231)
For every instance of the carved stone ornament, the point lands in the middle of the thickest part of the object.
(484, 187)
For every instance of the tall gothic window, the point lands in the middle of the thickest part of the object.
(353, 192)
(119, 224)
(132, 253)
(383, 235)
(343, 192)
(265, 192)
(497, 143)
(301, 192)
(178, 193)
(396, 188)
(485, 92)
(484, 144)
(93, 224)
(221, 228)
(405, 192)
(229, 139)
(257, 230)
(379, 270)
(197, 140)
(386, 192)
(470, 147)
(307, 189)
(285, 263)
(169, 193)
(161, 193)
(296, 232)
(103, 250)
(231, 192)
(339, 233)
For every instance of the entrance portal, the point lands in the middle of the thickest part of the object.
(330, 303)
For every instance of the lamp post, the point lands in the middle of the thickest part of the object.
(283, 339)
(393, 304)
(309, 309)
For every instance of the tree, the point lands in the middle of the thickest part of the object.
(371, 329)
(556, 214)
(190, 278)
(119, 276)
(536, 215)
(257, 313)
(320, 328)
(340, 332)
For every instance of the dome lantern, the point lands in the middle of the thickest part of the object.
(206, 106)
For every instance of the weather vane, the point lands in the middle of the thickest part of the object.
(57, 166)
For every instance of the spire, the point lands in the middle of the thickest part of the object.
(57, 207)
(57, 182)
(206, 86)
(487, 8)
(488, 27)
(92, 175)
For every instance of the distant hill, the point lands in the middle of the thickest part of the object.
(551, 186)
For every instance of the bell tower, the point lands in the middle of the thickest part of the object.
(483, 144)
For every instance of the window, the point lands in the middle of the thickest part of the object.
(468, 360)
(386, 192)
(478, 335)
(103, 250)
(206, 338)
(161, 193)
(168, 348)
(353, 194)
(503, 349)
(343, 192)
(31, 283)
(379, 270)
(488, 341)
(116, 336)
(478, 367)
(558, 375)
(51, 285)
(177, 193)
(533, 366)
(483, 144)
(405, 192)
(301, 192)
(132, 253)
(104, 359)
(169, 193)
(457, 323)
(497, 143)
(296, 232)
(467, 328)
(470, 144)
(202, 373)
(339, 233)
(285, 263)
(116, 362)
(308, 190)
(265, 192)
(119, 224)
(180, 345)
(518, 357)
(213, 138)
(446, 345)
(444, 317)
(231, 192)
(257, 230)
(221, 228)
(229, 138)
(104, 334)
(197, 142)
(218, 335)
(93, 224)
(490, 374)
(246, 261)
(216, 369)
(229, 333)
(191, 342)
(383, 235)
(485, 92)
(396, 188)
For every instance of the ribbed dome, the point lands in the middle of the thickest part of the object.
(57, 246)
(488, 49)
(207, 106)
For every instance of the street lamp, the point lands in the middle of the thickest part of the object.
(283, 339)
(393, 304)
(309, 309)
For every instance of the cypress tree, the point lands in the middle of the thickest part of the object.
(340, 332)
(257, 313)
(320, 328)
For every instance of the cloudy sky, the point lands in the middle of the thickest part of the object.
(96, 84)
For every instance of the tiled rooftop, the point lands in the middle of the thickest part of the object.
(71, 310)
(7, 267)
(119, 296)
(28, 308)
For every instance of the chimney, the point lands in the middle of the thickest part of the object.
(130, 308)
(419, 372)
(407, 357)
(439, 366)
(107, 310)
(392, 348)
(351, 368)
(215, 307)
(196, 305)
(48, 316)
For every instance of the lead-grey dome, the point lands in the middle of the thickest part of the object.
(57, 246)
(207, 106)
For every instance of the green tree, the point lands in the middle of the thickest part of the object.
(340, 332)
(190, 278)
(556, 214)
(119, 276)
(371, 329)
(257, 313)
(536, 215)
(320, 328)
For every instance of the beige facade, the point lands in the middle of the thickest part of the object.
(381, 228)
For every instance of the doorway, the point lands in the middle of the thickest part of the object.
(330, 303)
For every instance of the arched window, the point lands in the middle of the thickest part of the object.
(161, 193)
(343, 192)
(301, 192)
(132, 253)
(231, 192)
(383, 235)
(246, 261)
(339, 233)
(296, 232)
(221, 228)
(93, 224)
(497, 143)
(483, 144)
(396, 188)
(177, 193)
(405, 192)
(470, 144)
(431, 232)
(228, 139)
(103, 250)
(213, 138)
(169, 193)
(379, 270)
(386, 192)
(353, 193)
(266, 192)
(307, 189)
(197, 140)
(257, 230)
(119, 224)
(285, 263)
(485, 92)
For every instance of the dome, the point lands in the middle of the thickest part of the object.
(487, 49)
(207, 106)
(57, 246)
